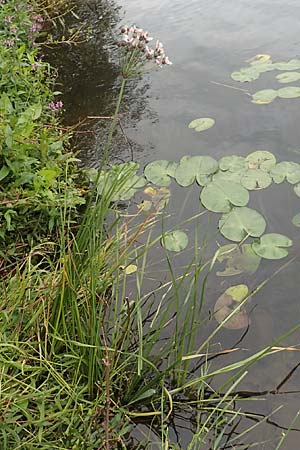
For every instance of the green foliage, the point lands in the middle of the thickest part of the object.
(159, 172)
(202, 124)
(239, 259)
(226, 311)
(220, 197)
(175, 241)
(272, 246)
(37, 175)
(240, 223)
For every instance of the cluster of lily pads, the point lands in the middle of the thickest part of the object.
(225, 186)
(263, 63)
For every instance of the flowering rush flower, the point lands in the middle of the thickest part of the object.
(134, 42)
(56, 106)
(9, 43)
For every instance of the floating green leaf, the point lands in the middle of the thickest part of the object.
(238, 260)
(226, 304)
(272, 246)
(175, 241)
(297, 189)
(264, 97)
(286, 170)
(254, 179)
(289, 92)
(246, 74)
(228, 176)
(195, 167)
(159, 172)
(240, 223)
(296, 220)
(288, 77)
(293, 64)
(202, 124)
(232, 163)
(261, 159)
(220, 196)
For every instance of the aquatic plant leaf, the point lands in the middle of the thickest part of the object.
(131, 268)
(175, 241)
(272, 246)
(241, 223)
(246, 74)
(160, 172)
(260, 59)
(220, 196)
(202, 124)
(289, 92)
(261, 159)
(160, 197)
(145, 205)
(239, 259)
(293, 64)
(297, 189)
(254, 179)
(288, 77)
(195, 167)
(225, 305)
(296, 220)
(232, 177)
(264, 97)
(286, 170)
(233, 163)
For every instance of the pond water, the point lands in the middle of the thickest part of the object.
(206, 40)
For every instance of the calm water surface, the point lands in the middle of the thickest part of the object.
(207, 40)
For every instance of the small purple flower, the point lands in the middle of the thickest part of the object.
(9, 43)
(14, 29)
(59, 105)
(8, 19)
(35, 66)
(56, 106)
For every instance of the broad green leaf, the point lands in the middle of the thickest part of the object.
(232, 163)
(220, 196)
(238, 260)
(4, 171)
(297, 189)
(254, 179)
(159, 172)
(289, 92)
(272, 246)
(175, 241)
(264, 97)
(227, 303)
(202, 124)
(228, 176)
(246, 74)
(193, 167)
(288, 77)
(296, 220)
(293, 64)
(261, 159)
(131, 268)
(286, 170)
(241, 223)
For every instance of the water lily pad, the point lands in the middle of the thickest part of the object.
(272, 246)
(297, 189)
(289, 92)
(233, 163)
(296, 220)
(254, 179)
(227, 303)
(231, 177)
(260, 59)
(261, 159)
(160, 172)
(293, 64)
(239, 259)
(159, 197)
(286, 170)
(246, 74)
(175, 241)
(288, 77)
(240, 223)
(264, 97)
(220, 196)
(202, 124)
(195, 167)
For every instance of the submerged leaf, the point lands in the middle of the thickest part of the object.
(175, 241)
(220, 196)
(288, 77)
(238, 260)
(202, 124)
(241, 223)
(264, 97)
(226, 304)
(272, 246)
(296, 220)
(159, 172)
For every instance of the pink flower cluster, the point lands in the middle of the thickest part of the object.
(56, 106)
(37, 25)
(136, 38)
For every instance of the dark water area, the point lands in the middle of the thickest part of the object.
(206, 42)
